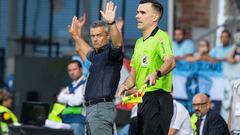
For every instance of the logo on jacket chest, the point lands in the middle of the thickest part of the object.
(144, 62)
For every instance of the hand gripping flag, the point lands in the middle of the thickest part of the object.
(136, 97)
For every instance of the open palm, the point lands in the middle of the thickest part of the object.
(109, 15)
(80, 23)
(72, 29)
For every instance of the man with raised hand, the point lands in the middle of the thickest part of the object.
(104, 74)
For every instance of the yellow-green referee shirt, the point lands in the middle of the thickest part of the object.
(148, 57)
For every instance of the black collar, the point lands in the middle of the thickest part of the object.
(101, 49)
(153, 33)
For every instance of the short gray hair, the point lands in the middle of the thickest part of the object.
(100, 24)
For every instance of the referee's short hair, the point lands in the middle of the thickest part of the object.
(156, 5)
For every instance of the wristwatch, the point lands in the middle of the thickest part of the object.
(159, 73)
(112, 23)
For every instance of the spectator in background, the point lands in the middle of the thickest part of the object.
(234, 54)
(6, 115)
(208, 122)
(104, 72)
(181, 122)
(72, 97)
(85, 65)
(194, 117)
(202, 53)
(220, 52)
(182, 47)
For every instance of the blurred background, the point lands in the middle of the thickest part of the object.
(35, 44)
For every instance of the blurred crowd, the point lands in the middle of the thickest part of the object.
(226, 51)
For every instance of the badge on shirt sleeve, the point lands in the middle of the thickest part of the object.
(144, 61)
(162, 45)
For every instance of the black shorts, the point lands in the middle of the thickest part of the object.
(155, 113)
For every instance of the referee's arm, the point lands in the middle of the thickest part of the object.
(128, 84)
(167, 66)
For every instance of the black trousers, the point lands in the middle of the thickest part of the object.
(155, 113)
(133, 126)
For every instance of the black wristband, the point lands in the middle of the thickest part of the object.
(112, 23)
(159, 73)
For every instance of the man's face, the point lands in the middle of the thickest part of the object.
(225, 39)
(99, 37)
(8, 102)
(203, 47)
(179, 35)
(201, 106)
(145, 16)
(74, 71)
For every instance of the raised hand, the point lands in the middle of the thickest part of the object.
(80, 23)
(109, 15)
(120, 24)
(73, 28)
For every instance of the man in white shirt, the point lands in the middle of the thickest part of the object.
(181, 122)
(72, 97)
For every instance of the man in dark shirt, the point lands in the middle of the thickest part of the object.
(104, 72)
